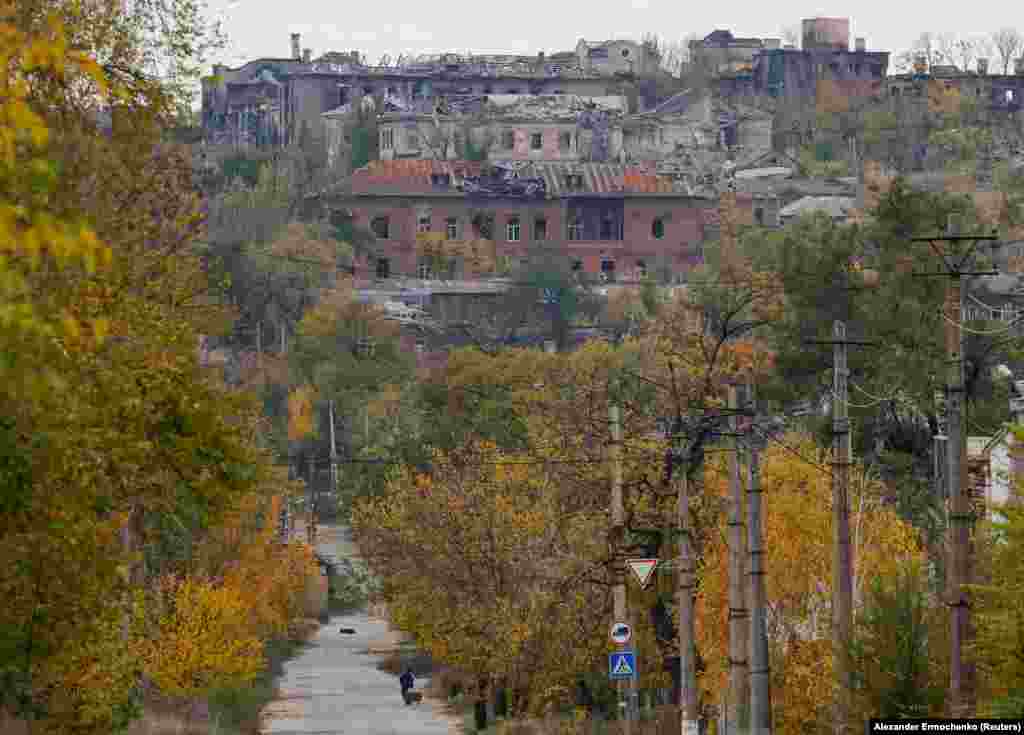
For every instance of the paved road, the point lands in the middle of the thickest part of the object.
(334, 687)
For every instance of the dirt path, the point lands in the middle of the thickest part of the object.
(334, 687)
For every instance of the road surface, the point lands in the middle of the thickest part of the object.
(334, 687)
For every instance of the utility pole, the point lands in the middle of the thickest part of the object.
(259, 343)
(842, 552)
(334, 450)
(621, 611)
(760, 669)
(842, 560)
(689, 719)
(737, 705)
(959, 701)
(311, 514)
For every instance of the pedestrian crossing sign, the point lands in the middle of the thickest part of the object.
(622, 665)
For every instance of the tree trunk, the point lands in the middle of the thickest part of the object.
(736, 708)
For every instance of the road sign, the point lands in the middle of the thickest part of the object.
(622, 665)
(621, 633)
(643, 569)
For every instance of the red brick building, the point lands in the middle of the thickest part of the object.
(617, 222)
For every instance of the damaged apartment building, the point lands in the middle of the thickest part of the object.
(611, 222)
(268, 101)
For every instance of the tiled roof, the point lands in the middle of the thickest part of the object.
(415, 176)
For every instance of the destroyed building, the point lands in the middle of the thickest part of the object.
(610, 221)
(512, 127)
(754, 67)
(269, 100)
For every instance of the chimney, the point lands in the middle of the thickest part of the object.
(296, 55)
(982, 67)
(307, 55)
(860, 44)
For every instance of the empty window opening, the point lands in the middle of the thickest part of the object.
(381, 227)
(425, 270)
(658, 228)
(574, 182)
(536, 141)
(451, 226)
(540, 229)
(423, 224)
(577, 266)
(759, 215)
(421, 346)
(575, 229)
(512, 230)
(508, 140)
(387, 138)
(607, 270)
(485, 226)
(383, 268)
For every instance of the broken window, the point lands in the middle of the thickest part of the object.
(658, 228)
(607, 270)
(576, 229)
(565, 141)
(381, 227)
(512, 229)
(540, 229)
(536, 141)
(485, 226)
(383, 268)
(387, 138)
(451, 226)
(423, 223)
(508, 140)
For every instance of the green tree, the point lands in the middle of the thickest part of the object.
(899, 652)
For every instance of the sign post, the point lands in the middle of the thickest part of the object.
(643, 569)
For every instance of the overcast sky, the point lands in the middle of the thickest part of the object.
(262, 27)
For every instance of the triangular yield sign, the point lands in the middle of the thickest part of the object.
(643, 569)
(622, 667)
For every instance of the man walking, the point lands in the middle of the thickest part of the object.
(407, 680)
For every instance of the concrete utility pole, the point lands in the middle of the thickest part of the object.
(334, 451)
(760, 669)
(842, 553)
(842, 565)
(311, 514)
(617, 537)
(959, 701)
(689, 718)
(737, 705)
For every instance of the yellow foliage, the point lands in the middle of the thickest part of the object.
(203, 640)
(300, 412)
(799, 544)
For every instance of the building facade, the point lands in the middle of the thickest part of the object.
(609, 222)
(269, 100)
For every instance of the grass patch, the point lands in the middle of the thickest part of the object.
(238, 710)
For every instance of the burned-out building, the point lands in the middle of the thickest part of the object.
(269, 100)
(543, 127)
(755, 67)
(608, 221)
